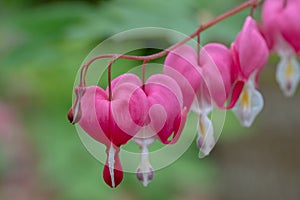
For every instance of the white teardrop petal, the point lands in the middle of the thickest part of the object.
(144, 138)
(288, 74)
(206, 140)
(111, 164)
(249, 104)
(145, 171)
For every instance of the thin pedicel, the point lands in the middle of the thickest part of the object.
(84, 68)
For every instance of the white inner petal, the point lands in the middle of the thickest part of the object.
(249, 104)
(205, 135)
(111, 164)
(145, 167)
(201, 106)
(76, 110)
(288, 74)
(144, 138)
(145, 134)
(145, 164)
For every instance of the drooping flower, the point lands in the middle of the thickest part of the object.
(181, 64)
(281, 29)
(111, 122)
(207, 81)
(250, 54)
(165, 116)
(216, 69)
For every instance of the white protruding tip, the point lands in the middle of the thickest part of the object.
(111, 164)
(288, 74)
(249, 104)
(144, 171)
(206, 140)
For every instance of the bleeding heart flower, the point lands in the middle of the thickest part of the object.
(111, 121)
(165, 116)
(181, 64)
(215, 88)
(210, 80)
(250, 54)
(282, 32)
(216, 70)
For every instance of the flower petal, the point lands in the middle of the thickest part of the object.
(251, 49)
(216, 65)
(271, 10)
(288, 23)
(125, 78)
(89, 121)
(206, 140)
(288, 74)
(128, 111)
(249, 105)
(112, 172)
(169, 83)
(280, 19)
(181, 64)
(144, 171)
(236, 92)
(164, 108)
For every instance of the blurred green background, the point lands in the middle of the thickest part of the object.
(42, 45)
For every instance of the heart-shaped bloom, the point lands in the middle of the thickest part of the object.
(207, 81)
(215, 88)
(165, 116)
(111, 121)
(282, 32)
(250, 54)
(181, 64)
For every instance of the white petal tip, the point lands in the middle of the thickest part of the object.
(145, 183)
(246, 124)
(249, 105)
(288, 75)
(247, 120)
(111, 164)
(145, 176)
(206, 140)
(288, 93)
(202, 154)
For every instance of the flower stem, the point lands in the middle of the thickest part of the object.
(109, 78)
(198, 49)
(252, 10)
(144, 73)
(249, 3)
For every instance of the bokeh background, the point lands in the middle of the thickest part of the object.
(42, 44)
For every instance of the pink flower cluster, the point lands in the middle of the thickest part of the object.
(219, 75)
(144, 112)
(215, 77)
(280, 25)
